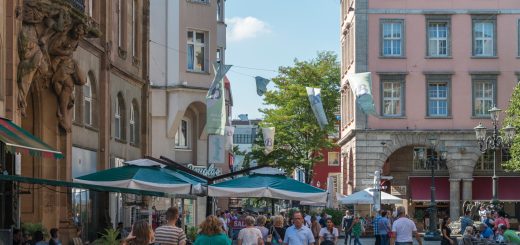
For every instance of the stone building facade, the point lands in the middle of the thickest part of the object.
(87, 98)
(437, 68)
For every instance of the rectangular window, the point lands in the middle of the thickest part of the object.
(439, 95)
(119, 23)
(484, 94)
(439, 35)
(333, 158)
(392, 99)
(196, 51)
(392, 37)
(181, 137)
(220, 11)
(484, 36)
(134, 28)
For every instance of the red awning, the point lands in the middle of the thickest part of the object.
(420, 188)
(507, 188)
(482, 188)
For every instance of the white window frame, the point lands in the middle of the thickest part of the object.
(195, 45)
(117, 122)
(131, 123)
(220, 10)
(437, 40)
(482, 23)
(479, 87)
(331, 155)
(437, 99)
(396, 27)
(338, 183)
(396, 112)
(87, 99)
(188, 132)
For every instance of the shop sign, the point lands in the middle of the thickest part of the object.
(209, 171)
(398, 190)
(238, 224)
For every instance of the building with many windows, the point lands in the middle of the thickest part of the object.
(86, 97)
(186, 39)
(437, 68)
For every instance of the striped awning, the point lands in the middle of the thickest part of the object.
(18, 139)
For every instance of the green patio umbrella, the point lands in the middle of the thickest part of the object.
(268, 185)
(145, 174)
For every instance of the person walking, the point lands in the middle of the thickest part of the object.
(465, 221)
(446, 232)
(54, 237)
(315, 227)
(170, 234)
(298, 234)
(260, 225)
(375, 224)
(141, 234)
(404, 229)
(346, 222)
(250, 235)
(329, 235)
(383, 228)
(211, 233)
(38, 238)
(277, 231)
(357, 229)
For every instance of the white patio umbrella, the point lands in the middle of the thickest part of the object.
(366, 197)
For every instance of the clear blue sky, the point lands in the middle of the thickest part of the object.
(266, 34)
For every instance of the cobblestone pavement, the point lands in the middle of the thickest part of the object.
(372, 241)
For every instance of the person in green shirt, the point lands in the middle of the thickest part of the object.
(211, 233)
(510, 236)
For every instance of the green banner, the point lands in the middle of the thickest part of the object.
(215, 102)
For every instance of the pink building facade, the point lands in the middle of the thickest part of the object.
(437, 68)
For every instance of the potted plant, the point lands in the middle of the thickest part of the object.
(419, 218)
(109, 237)
(31, 228)
(191, 233)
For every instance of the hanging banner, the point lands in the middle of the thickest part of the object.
(361, 84)
(317, 106)
(229, 137)
(261, 85)
(216, 108)
(268, 134)
(216, 153)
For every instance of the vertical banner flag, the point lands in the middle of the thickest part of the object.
(229, 137)
(216, 109)
(261, 85)
(317, 106)
(268, 134)
(361, 84)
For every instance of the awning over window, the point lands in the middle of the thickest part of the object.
(507, 188)
(420, 188)
(30, 180)
(18, 139)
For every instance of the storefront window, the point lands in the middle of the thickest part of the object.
(189, 212)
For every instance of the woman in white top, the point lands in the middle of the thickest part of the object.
(329, 234)
(250, 235)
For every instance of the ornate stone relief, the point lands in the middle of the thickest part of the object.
(51, 32)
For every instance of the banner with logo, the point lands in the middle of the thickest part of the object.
(361, 84)
(317, 106)
(216, 108)
(268, 134)
(261, 85)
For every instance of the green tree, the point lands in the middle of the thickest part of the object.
(512, 118)
(298, 137)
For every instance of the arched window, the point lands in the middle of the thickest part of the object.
(134, 123)
(119, 118)
(87, 100)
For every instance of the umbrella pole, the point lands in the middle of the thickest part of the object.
(272, 206)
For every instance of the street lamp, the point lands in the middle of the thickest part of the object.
(494, 142)
(433, 161)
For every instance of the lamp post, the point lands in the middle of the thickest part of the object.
(433, 161)
(494, 142)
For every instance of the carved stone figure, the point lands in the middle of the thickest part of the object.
(51, 32)
(66, 71)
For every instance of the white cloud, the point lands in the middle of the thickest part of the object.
(239, 28)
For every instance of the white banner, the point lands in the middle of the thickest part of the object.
(229, 137)
(317, 106)
(268, 134)
(216, 149)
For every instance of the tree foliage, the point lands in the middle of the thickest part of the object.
(512, 113)
(298, 137)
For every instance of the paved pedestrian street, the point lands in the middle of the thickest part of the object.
(372, 241)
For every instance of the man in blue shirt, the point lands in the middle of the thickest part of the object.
(465, 221)
(298, 234)
(375, 224)
(486, 232)
(383, 228)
